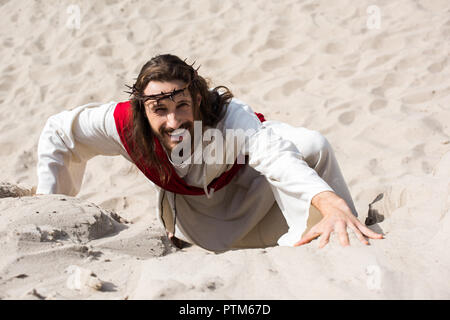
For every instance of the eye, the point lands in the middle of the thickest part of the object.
(182, 105)
(159, 110)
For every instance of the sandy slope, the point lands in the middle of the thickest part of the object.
(381, 97)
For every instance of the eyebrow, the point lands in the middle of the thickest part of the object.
(161, 104)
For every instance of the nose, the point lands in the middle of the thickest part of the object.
(172, 121)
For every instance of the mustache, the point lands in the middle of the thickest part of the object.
(186, 125)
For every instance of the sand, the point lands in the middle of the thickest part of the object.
(380, 95)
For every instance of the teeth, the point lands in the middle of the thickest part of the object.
(178, 132)
(177, 135)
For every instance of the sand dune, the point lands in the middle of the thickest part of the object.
(380, 96)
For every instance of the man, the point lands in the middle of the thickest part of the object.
(262, 197)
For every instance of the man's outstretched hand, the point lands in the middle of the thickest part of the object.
(337, 216)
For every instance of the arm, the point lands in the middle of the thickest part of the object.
(69, 139)
(292, 181)
(296, 186)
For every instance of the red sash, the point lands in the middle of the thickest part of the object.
(123, 118)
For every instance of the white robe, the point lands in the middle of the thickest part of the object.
(266, 203)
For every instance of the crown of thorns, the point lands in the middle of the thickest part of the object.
(163, 95)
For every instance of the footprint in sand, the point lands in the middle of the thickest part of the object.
(291, 86)
(241, 46)
(345, 73)
(334, 48)
(377, 105)
(419, 97)
(14, 18)
(378, 91)
(7, 82)
(289, 59)
(426, 167)
(273, 94)
(347, 118)
(105, 51)
(89, 42)
(380, 61)
(438, 66)
(434, 125)
(342, 106)
(8, 43)
(276, 38)
(374, 167)
(418, 151)
(394, 80)
(9, 68)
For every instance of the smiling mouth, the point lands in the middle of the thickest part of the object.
(177, 135)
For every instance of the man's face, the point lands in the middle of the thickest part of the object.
(170, 117)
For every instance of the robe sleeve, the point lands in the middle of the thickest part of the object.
(69, 139)
(273, 155)
(293, 182)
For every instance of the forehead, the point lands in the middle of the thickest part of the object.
(156, 87)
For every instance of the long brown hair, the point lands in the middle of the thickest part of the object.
(168, 67)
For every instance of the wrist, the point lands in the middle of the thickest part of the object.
(318, 199)
(323, 200)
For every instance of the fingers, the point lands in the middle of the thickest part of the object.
(341, 230)
(369, 233)
(340, 227)
(311, 235)
(324, 239)
(358, 234)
